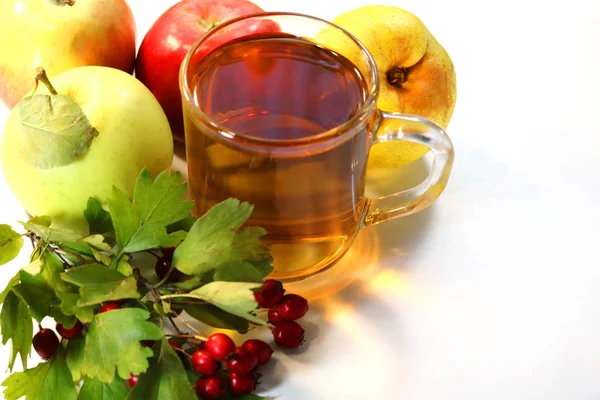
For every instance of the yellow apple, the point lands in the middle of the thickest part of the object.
(416, 73)
(61, 34)
(53, 165)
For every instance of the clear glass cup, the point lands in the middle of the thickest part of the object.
(308, 191)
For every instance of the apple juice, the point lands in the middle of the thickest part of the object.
(283, 91)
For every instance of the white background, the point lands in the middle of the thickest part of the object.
(494, 292)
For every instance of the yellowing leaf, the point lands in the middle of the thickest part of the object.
(54, 130)
(236, 298)
(10, 244)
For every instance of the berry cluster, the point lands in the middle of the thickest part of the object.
(224, 368)
(284, 310)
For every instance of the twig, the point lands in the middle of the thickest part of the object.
(190, 326)
(200, 338)
(175, 325)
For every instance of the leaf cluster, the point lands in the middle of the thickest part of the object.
(70, 276)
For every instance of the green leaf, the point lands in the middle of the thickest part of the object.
(264, 267)
(142, 224)
(14, 281)
(41, 227)
(165, 379)
(98, 218)
(184, 224)
(48, 380)
(236, 298)
(96, 242)
(16, 325)
(193, 283)
(216, 239)
(98, 283)
(10, 244)
(54, 130)
(238, 271)
(93, 389)
(215, 317)
(75, 356)
(113, 342)
(44, 291)
(38, 294)
(123, 266)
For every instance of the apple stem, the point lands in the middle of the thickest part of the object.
(63, 3)
(397, 76)
(41, 76)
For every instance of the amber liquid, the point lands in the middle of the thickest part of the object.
(281, 88)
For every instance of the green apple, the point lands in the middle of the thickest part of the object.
(100, 128)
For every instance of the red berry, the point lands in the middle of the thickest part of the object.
(220, 346)
(133, 380)
(204, 363)
(261, 350)
(210, 387)
(274, 315)
(45, 343)
(69, 333)
(270, 294)
(110, 306)
(288, 334)
(242, 384)
(293, 307)
(242, 361)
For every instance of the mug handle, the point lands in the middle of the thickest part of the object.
(411, 128)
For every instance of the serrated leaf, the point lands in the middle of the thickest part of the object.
(184, 224)
(141, 225)
(210, 242)
(48, 380)
(236, 298)
(69, 305)
(264, 267)
(14, 281)
(238, 271)
(113, 343)
(217, 318)
(54, 130)
(38, 295)
(96, 241)
(75, 354)
(40, 226)
(17, 326)
(165, 379)
(123, 266)
(93, 389)
(98, 283)
(98, 219)
(46, 294)
(10, 244)
(42, 289)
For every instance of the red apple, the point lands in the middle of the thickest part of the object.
(60, 35)
(171, 37)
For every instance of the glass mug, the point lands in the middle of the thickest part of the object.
(280, 112)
